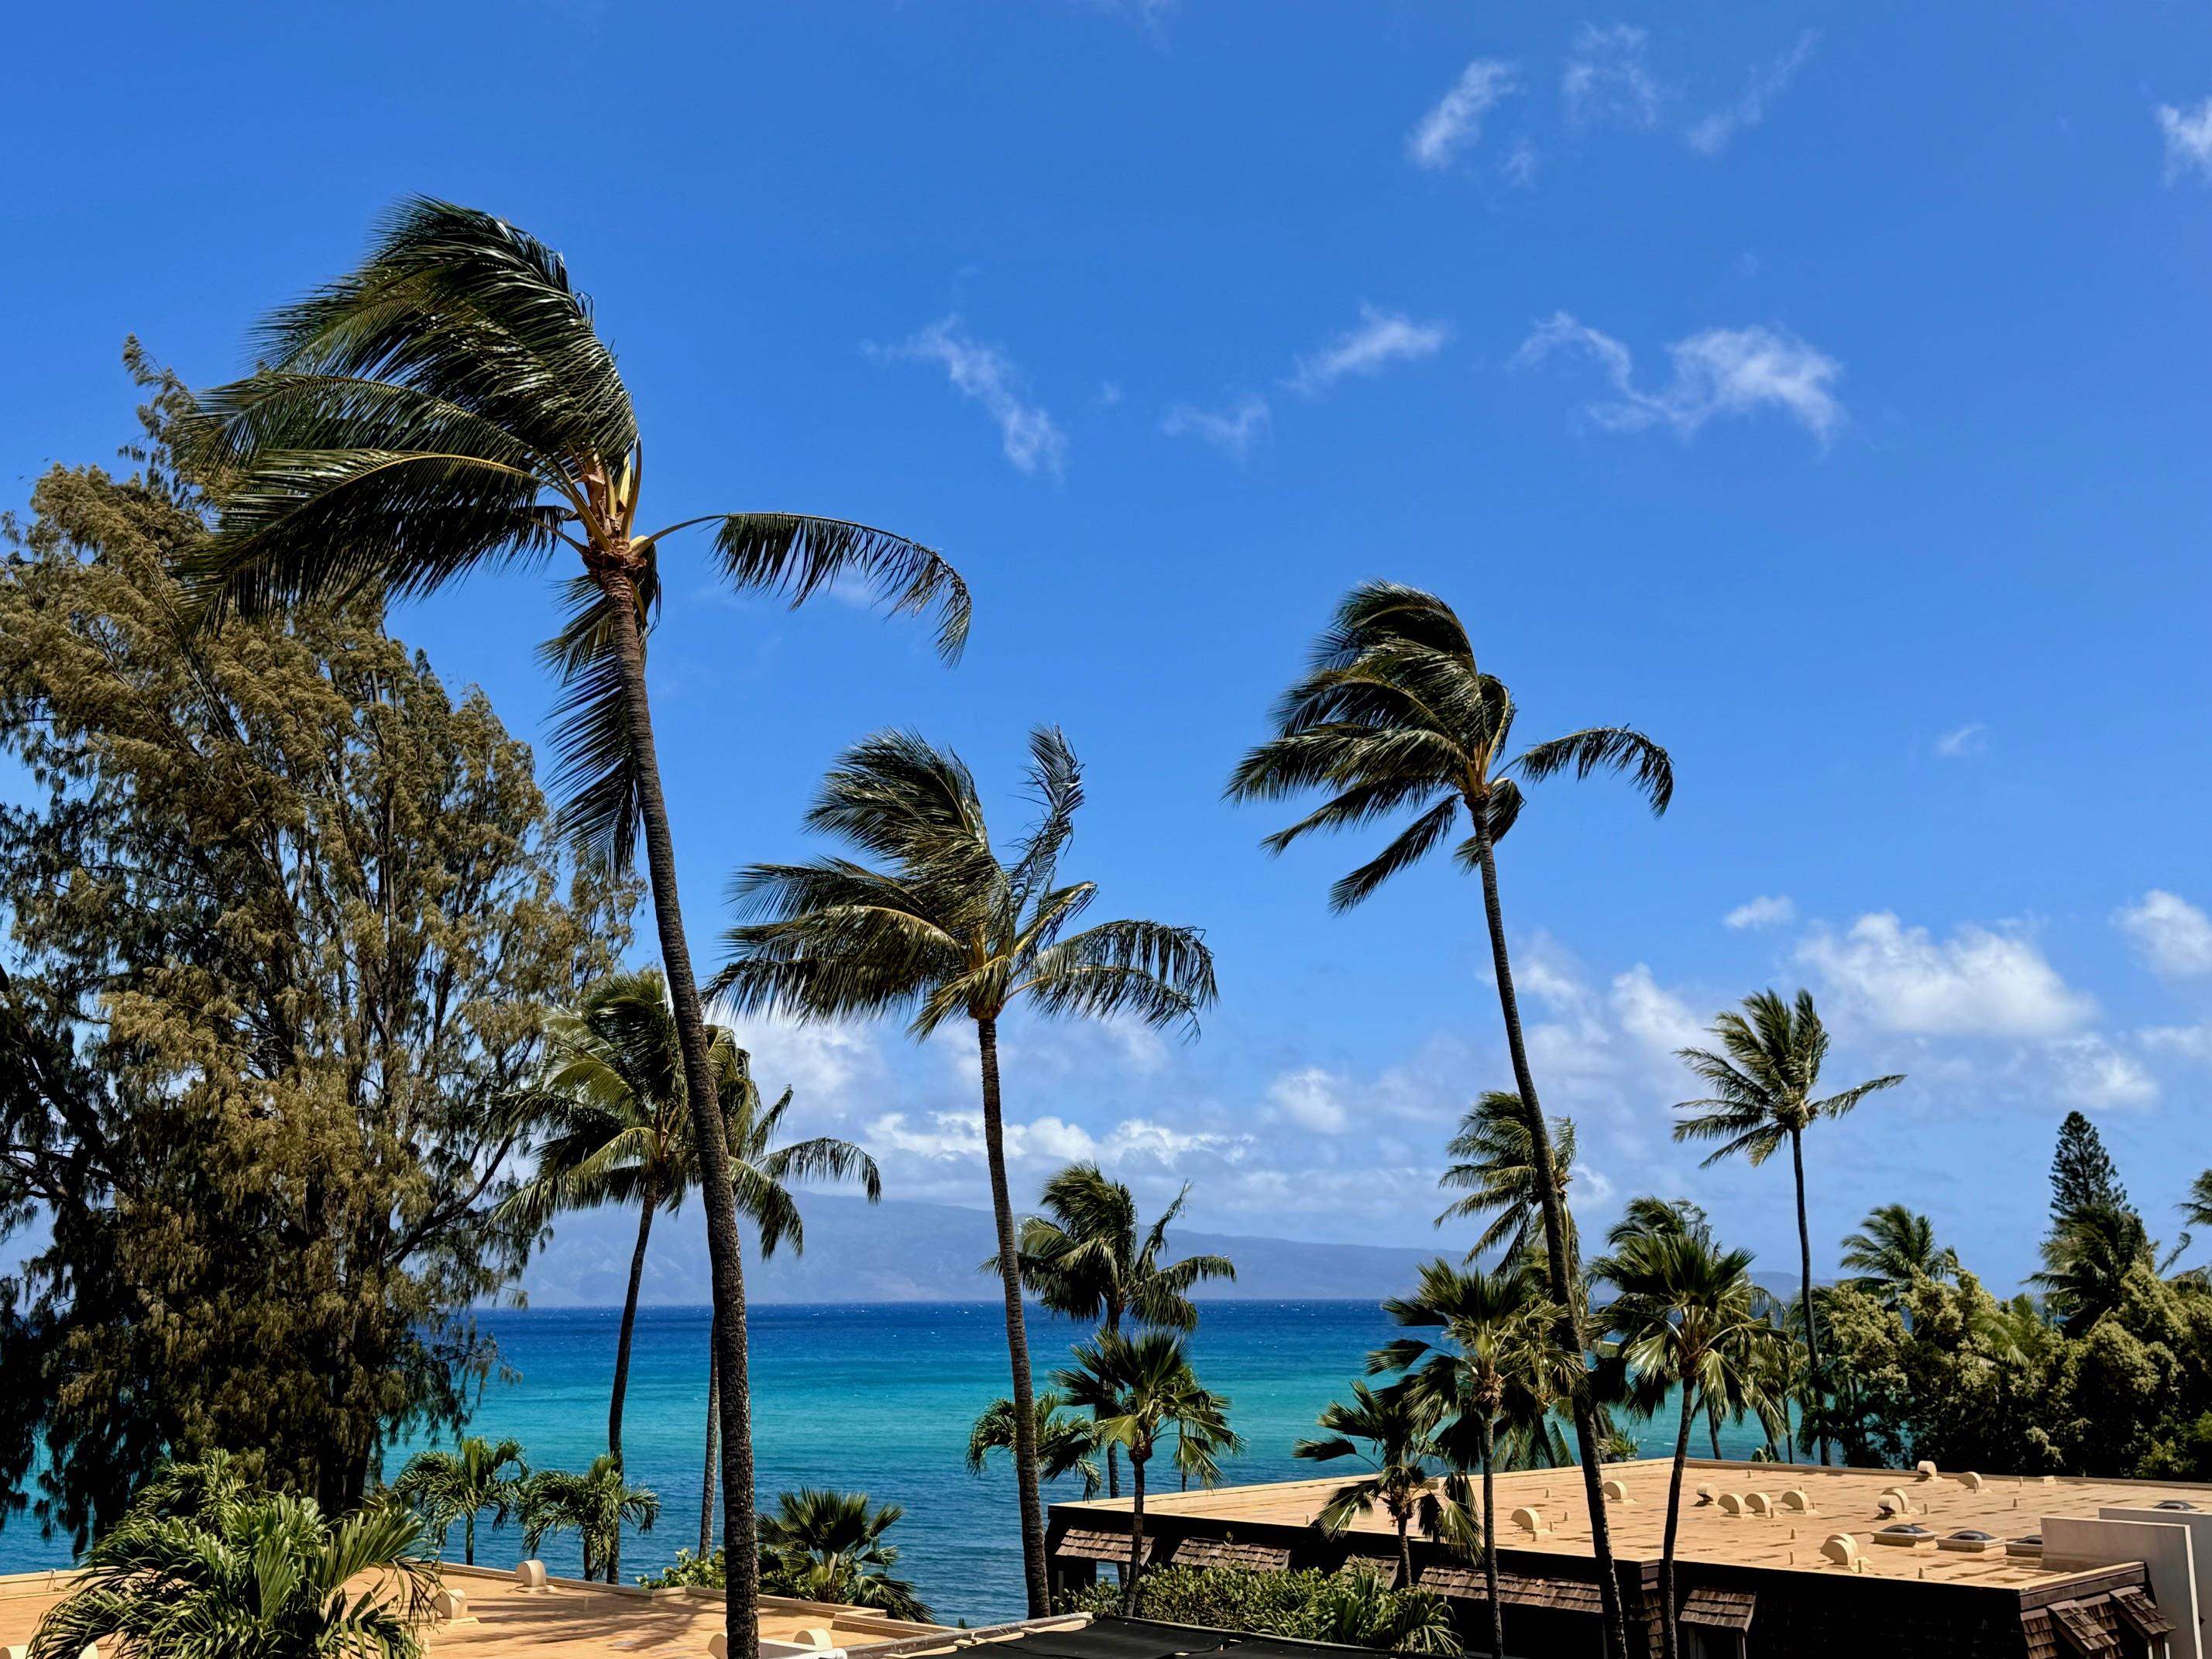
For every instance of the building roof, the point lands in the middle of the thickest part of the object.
(1112, 1638)
(568, 1619)
(2009, 1507)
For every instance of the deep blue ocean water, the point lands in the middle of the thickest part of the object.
(876, 1399)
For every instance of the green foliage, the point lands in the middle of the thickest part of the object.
(205, 1565)
(708, 1572)
(1086, 1258)
(824, 1546)
(1066, 1443)
(1494, 1165)
(2082, 1175)
(446, 1487)
(595, 1505)
(1308, 1605)
(285, 919)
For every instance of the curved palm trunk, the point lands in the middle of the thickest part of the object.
(1137, 1461)
(620, 1391)
(725, 1262)
(1490, 1543)
(1017, 1340)
(713, 1443)
(1558, 1269)
(1805, 1261)
(1671, 1628)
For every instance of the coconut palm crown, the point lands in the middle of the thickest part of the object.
(1494, 1168)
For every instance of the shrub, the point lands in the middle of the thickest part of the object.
(1310, 1605)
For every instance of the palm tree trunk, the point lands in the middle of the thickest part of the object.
(1558, 1269)
(1713, 1424)
(1670, 1629)
(1137, 1461)
(741, 1623)
(714, 1436)
(1490, 1542)
(469, 1541)
(1405, 1552)
(1805, 1261)
(1017, 1340)
(620, 1391)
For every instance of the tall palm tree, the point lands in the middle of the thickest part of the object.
(595, 1505)
(1765, 1084)
(1495, 1165)
(1394, 714)
(829, 1546)
(948, 931)
(1083, 1258)
(1894, 1249)
(1398, 1429)
(1686, 1319)
(1065, 1443)
(245, 1571)
(610, 1116)
(1495, 1352)
(449, 406)
(1137, 1390)
(2086, 1262)
(444, 1487)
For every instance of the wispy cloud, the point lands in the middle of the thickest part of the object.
(984, 375)
(1382, 337)
(1607, 82)
(1454, 122)
(1234, 429)
(2171, 934)
(1976, 982)
(1519, 168)
(1713, 133)
(1962, 742)
(1764, 911)
(1716, 371)
(2188, 134)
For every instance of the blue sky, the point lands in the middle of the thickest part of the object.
(1819, 387)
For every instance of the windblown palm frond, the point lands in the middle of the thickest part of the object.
(1896, 1248)
(1496, 1167)
(1066, 1443)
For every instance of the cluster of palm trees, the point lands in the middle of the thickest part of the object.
(478, 1476)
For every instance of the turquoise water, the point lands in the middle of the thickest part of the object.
(876, 1399)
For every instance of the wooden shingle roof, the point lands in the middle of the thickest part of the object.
(1719, 1609)
(1088, 1544)
(1227, 1553)
(1514, 1589)
(2081, 1631)
(2141, 1614)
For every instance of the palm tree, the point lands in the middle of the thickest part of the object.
(1496, 1167)
(1765, 1084)
(450, 406)
(1394, 714)
(2086, 1262)
(235, 1571)
(1065, 1443)
(595, 1505)
(949, 932)
(1137, 1390)
(1685, 1318)
(1397, 1426)
(829, 1546)
(1082, 1258)
(1495, 1355)
(609, 1111)
(444, 1487)
(1648, 1213)
(1895, 1249)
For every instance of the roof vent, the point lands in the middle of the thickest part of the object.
(2030, 1545)
(530, 1575)
(1531, 1521)
(1841, 1548)
(451, 1607)
(1909, 1534)
(1731, 1502)
(1971, 1481)
(1971, 1541)
(1924, 1470)
(1796, 1501)
(1894, 1501)
(1705, 1496)
(1616, 1491)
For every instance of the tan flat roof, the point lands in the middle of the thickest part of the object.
(1844, 1500)
(567, 1620)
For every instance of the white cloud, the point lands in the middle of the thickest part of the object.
(2188, 134)
(1312, 1098)
(1456, 121)
(1975, 983)
(1656, 1019)
(1381, 338)
(1233, 430)
(984, 375)
(1520, 165)
(958, 1136)
(2193, 1043)
(1765, 911)
(2089, 1072)
(1963, 742)
(1605, 80)
(1713, 133)
(1717, 370)
(2171, 934)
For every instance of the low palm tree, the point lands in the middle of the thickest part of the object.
(1395, 715)
(450, 407)
(1493, 1355)
(1894, 1249)
(1138, 1389)
(595, 1505)
(1393, 1432)
(948, 931)
(1066, 1442)
(1495, 1165)
(610, 1115)
(1684, 1314)
(1765, 1079)
(829, 1546)
(214, 1569)
(444, 1487)
(1085, 1258)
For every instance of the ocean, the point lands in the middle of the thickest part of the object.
(866, 1398)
